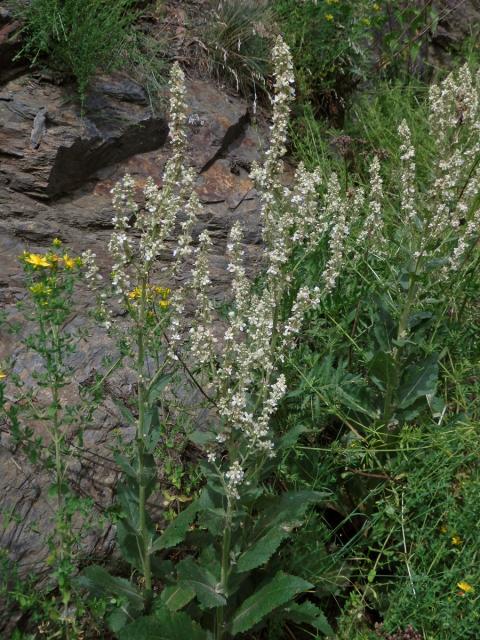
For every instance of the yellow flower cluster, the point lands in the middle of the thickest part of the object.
(154, 292)
(3, 375)
(50, 260)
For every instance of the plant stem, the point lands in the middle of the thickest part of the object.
(142, 522)
(224, 572)
(396, 352)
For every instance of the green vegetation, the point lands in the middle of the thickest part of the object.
(78, 37)
(354, 357)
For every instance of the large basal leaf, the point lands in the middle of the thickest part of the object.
(166, 625)
(261, 551)
(177, 596)
(281, 589)
(383, 369)
(99, 582)
(419, 380)
(204, 583)
(308, 613)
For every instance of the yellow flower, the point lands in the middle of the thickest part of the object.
(135, 293)
(328, 17)
(465, 587)
(3, 375)
(68, 262)
(57, 242)
(164, 303)
(443, 528)
(457, 541)
(37, 260)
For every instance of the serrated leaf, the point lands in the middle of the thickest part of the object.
(166, 625)
(278, 591)
(419, 380)
(261, 551)
(308, 613)
(99, 582)
(177, 596)
(202, 581)
(176, 530)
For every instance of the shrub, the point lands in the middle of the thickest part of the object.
(234, 44)
(77, 37)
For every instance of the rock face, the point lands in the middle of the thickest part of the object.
(57, 167)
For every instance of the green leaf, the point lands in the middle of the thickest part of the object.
(204, 583)
(176, 530)
(165, 625)
(261, 552)
(125, 466)
(383, 368)
(99, 582)
(291, 437)
(130, 543)
(419, 380)
(287, 507)
(157, 386)
(201, 437)
(117, 619)
(278, 591)
(177, 596)
(308, 613)
(127, 415)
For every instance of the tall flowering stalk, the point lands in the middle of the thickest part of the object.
(235, 360)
